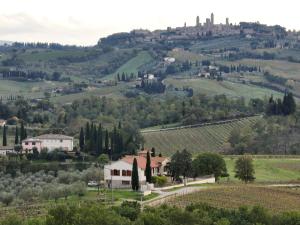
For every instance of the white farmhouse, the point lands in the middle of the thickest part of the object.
(118, 173)
(49, 142)
(7, 150)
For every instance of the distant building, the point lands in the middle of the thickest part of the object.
(118, 173)
(49, 142)
(2, 123)
(169, 60)
(227, 21)
(7, 150)
(197, 21)
(212, 19)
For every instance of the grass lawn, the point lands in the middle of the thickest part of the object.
(274, 199)
(271, 170)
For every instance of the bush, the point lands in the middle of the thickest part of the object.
(159, 180)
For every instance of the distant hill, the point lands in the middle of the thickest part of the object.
(5, 43)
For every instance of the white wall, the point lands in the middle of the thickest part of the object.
(52, 144)
(121, 165)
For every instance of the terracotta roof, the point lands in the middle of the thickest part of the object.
(155, 161)
(53, 136)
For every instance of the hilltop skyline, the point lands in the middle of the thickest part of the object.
(58, 21)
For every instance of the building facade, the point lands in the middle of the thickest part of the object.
(49, 142)
(118, 173)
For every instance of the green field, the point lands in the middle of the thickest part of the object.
(199, 139)
(281, 68)
(133, 65)
(274, 199)
(230, 89)
(271, 170)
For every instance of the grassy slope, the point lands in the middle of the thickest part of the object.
(133, 65)
(274, 199)
(213, 87)
(277, 67)
(271, 170)
(208, 138)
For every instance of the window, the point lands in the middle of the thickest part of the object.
(61, 140)
(124, 173)
(125, 182)
(33, 143)
(26, 143)
(128, 173)
(115, 172)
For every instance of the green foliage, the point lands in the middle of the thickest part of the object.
(210, 164)
(181, 164)
(159, 180)
(135, 183)
(244, 169)
(148, 170)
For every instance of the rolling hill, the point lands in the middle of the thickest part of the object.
(211, 137)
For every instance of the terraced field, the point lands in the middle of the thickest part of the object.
(197, 139)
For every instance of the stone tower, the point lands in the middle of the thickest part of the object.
(197, 21)
(212, 19)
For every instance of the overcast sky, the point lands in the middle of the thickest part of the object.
(83, 22)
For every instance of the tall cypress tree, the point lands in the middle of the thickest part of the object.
(17, 136)
(106, 141)
(87, 132)
(148, 170)
(4, 141)
(81, 139)
(95, 139)
(100, 140)
(135, 184)
(22, 134)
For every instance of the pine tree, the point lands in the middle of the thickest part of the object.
(99, 140)
(17, 136)
(4, 141)
(148, 170)
(87, 132)
(135, 176)
(81, 139)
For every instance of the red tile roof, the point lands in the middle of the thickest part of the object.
(155, 161)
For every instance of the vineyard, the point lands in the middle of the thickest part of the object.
(274, 199)
(196, 139)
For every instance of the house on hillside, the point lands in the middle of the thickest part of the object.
(7, 150)
(49, 142)
(2, 123)
(118, 173)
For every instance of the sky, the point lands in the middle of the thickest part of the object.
(83, 22)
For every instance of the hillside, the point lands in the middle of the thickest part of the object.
(196, 139)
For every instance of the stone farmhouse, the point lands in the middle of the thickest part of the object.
(118, 173)
(49, 142)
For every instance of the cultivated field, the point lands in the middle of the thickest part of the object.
(274, 199)
(230, 89)
(198, 139)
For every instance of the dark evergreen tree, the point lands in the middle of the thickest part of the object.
(81, 139)
(135, 184)
(106, 142)
(17, 136)
(148, 170)
(23, 133)
(153, 154)
(99, 141)
(4, 140)
(87, 132)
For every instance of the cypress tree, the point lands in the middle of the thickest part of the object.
(100, 140)
(135, 176)
(120, 125)
(17, 136)
(95, 139)
(148, 170)
(4, 141)
(81, 139)
(87, 132)
(106, 141)
(153, 154)
(22, 134)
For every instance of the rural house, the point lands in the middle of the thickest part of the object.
(49, 142)
(118, 173)
(7, 150)
(2, 123)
